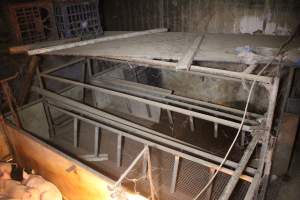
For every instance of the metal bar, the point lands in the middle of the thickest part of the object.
(131, 86)
(119, 150)
(210, 188)
(156, 145)
(192, 125)
(170, 117)
(89, 68)
(134, 162)
(186, 61)
(75, 133)
(45, 106)
(93, 41)
(72, 62)
(93, 158)
(22, 49)
(154, 103)
(242, 165)
(216, 130)
(174, 174)
(196, 69)
(96, 141)
(166, 100)
(132, 127)
(214, 106)
(253, 188)
(267, 147)
(243, 136)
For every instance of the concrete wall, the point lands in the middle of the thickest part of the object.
(275, 17)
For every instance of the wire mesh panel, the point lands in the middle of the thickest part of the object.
(76, 18)
(32, 22)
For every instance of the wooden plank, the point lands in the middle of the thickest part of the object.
(4, 148)
(285, 143)
(292, 106)
(75, 180)
(93, 41)
(186, 61)
(24, 48)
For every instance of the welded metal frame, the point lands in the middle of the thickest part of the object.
(172, 103)
(254, 176)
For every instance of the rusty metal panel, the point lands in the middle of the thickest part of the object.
(32, 22)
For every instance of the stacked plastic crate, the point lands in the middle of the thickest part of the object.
(78, 18)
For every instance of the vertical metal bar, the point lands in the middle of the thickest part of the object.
(119, 150)
(210, 188)
(216, 130)
(192, 125)
(75, 141)
(148, 110)
(84, 79)
(170, 117)
(174, 174)
(96, 142)
(45, 105)
(89, 69)
(243, 135)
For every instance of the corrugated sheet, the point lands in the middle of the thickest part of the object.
(224, 16)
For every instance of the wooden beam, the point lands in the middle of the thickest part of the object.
(186, 61)
(93, 41)
(74, 179)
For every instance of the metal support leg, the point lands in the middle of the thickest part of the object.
(216, 129)
(243, 135)
(46, 107)
(75, 141)
(174, 174)
(148, 110)
(119, 150)
(89, 69)
(192, 125)
(96, 144)
(170, 117)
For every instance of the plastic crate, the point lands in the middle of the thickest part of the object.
(32, 22)
(77, 18)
